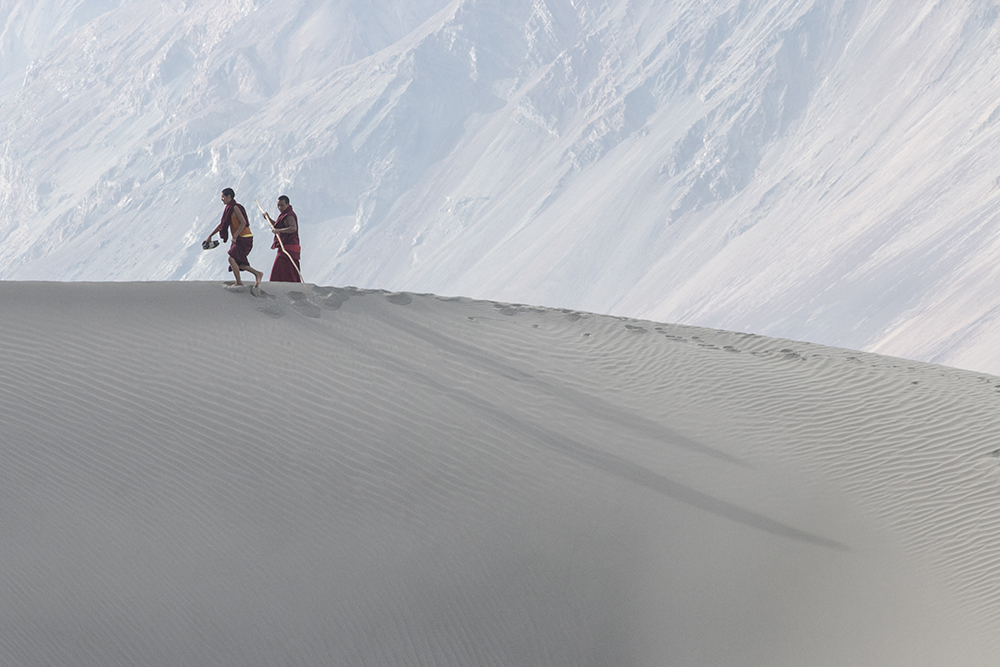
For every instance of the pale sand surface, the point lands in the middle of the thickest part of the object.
(324, 476)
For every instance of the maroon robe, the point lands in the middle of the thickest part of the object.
(240, 249)
(286, 270)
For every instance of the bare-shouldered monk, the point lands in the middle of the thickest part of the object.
(234, 219)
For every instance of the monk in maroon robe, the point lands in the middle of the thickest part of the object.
(234, 219)
(286, 267)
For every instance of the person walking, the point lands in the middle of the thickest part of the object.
(234, 219)
(286, 267)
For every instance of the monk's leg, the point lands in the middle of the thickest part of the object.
(235, 266)
(259, 275)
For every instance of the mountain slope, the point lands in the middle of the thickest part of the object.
(817, 169)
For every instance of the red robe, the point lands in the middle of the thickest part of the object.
(286, 270)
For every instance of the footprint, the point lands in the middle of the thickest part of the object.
(307, 309)
(272, 309)
(334, 298)
(399, 298)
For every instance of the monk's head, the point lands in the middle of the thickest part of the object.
(228, 195)
(283, 202)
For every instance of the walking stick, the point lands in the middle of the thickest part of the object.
(280, 243)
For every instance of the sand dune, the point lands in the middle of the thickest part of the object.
(328, 476)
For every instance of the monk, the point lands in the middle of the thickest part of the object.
(286, 267)
(234, 219)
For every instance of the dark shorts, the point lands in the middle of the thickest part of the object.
(239, 250)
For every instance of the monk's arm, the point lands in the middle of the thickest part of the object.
(215, 231)
(292, 225)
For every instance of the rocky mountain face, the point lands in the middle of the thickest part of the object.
(811, 169)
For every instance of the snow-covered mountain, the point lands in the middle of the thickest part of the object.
(812, 169)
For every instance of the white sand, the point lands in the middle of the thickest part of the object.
(190, 476)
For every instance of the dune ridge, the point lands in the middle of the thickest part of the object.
(340, 476)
